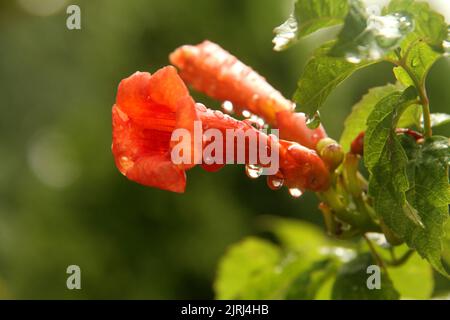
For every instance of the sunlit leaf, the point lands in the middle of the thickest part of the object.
(249, 259)
(419, 60)
(413, 279)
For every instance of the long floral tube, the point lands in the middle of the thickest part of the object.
(220, 75)
(149, 108)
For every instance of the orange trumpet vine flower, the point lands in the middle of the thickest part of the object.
(148, 110)
(220, 75)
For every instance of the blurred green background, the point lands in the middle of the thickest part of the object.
(63, 202)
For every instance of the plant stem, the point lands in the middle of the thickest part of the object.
(420, 86)
(375, 254)
(402, 259)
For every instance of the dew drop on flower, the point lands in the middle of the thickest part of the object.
(246, 114)
(295, 192)
(274, 182)
(253, 171)
(255, 98)
(314, 121)
(227, 106)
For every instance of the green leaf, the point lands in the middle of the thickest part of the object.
(411, 117)
(430, 196)
(308, 17)
(410, 184)
(309, 282)
(380, 139)
(321, 75)
(297, 236)
(351, 282)
(369, 36)
(249, 259)
(356, 121)
(439, 119)
(413, 279)
(419, 60)
(429, 25)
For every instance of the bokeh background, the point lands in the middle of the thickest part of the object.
(63, 202)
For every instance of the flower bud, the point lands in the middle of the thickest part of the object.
(331, 152)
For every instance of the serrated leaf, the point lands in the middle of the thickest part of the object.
(439, 119)
(430, 196)
(321, 75)
(380, 139)
(419, 60)
(416, 178)
(370, 36)
(356, 121)
(351, 282)
(429, 25)
(308, 17)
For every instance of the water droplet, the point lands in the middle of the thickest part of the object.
(314, 121)
(353, 58)
(255, 98)
(295, 192)
(227, 106)
(285, 33)
(246, 114)
(405, 24)
(275, 182)
(201, 107)
(218, 114)
(253, 171)
(125, 164)
(385, 42)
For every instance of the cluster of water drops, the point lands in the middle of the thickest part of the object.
(382, 33)
(274, 182)
(251, 119)
(254, 171)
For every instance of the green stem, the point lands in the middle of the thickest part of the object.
(420, 86)
(403, 259)
(375, 254)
